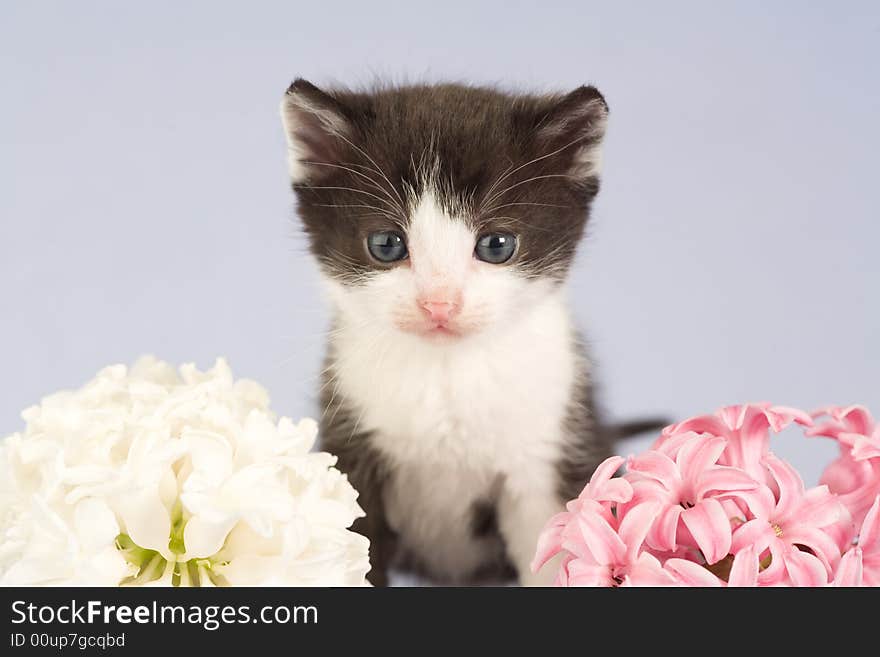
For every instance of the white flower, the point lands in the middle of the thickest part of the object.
(146, 477)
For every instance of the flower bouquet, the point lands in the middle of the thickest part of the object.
(711, 505)
(147, 477)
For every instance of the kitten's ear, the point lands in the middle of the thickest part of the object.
(575, 126)
(316, 128)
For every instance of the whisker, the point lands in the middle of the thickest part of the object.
(543, 205)
(527, 180)
(356, 191)
(378, 170)
(498, 180)
(357, 173)
(530, 162)
(384, 213)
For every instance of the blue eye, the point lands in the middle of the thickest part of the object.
(495, 248)
(386, 246)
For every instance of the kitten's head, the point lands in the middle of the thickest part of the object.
(442, 210)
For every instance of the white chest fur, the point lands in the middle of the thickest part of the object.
(456, 418)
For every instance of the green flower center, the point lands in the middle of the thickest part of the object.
(151, 565)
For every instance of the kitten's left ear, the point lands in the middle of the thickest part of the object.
(317, 129)
(575, 126)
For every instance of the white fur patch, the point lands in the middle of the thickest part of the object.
(457, 414)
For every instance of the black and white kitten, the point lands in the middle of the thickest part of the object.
(457, 393)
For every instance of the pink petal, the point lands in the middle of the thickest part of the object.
(760, 502)
(785, 415)
(734, 416)
(820, 508)
(606, 469)
(791, 486)
(670, 443)
(844, 474)
(600, 539)
(851, 419)
(635, 525)
(710, 527)
(744, 571)
(702, 424)
(604, 487)
(656, 466)
(865, 448)
(647, 571)
(869, 536)
(722, 478)
(854, 482)
(826, 430)
(823, 546)
(804, 569)
(617, 490)
(584, 573)
(858, 419)
(665, 528)
(550, 540)
(849, 570)
(775, 574)
(689, 573)
(755, 533)
(698, 454)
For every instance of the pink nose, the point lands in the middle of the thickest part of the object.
(439, 311)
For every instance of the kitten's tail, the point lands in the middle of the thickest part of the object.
(624, 430)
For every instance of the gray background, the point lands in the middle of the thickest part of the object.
(144, 205)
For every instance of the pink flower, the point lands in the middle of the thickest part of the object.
(601, 491)
(605, 555)
(743, 571)
(746, 428)
(711, 505)
(792, 525)
(849, 570)
(604, 488)
(860, 566)
(855, 475)
(689, 491)
(869, 544)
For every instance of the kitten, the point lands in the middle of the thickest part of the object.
(457, 392)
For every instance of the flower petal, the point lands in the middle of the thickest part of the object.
(723, 478)
(791, 486)
(146, 520)
(869, 536)
(584, 573)
(849, 570)
(664, 529)
(744, 571)
(804, 569)
(635, 525)
(698, 454)
(550, 540)
(203, 538)
(657, 466)
(710, 527)
(599, 538)
(689, 573)
(755, 533)
(647, 571)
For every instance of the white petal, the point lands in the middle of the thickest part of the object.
(203, 538)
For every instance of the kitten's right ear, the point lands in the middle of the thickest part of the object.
(316, 128)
